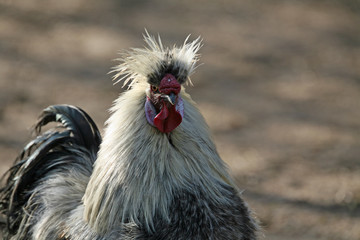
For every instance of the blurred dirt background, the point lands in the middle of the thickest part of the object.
(279, 87)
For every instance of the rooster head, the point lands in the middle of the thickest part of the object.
(164, 70)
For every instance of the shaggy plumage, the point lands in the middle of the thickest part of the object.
(141, 184)
(152, 63)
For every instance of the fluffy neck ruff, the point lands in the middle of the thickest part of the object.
(138, 170)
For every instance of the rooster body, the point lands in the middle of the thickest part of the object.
(155, 175)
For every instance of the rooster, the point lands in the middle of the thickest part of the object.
(156, 173)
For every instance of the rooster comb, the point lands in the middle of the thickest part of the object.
(154, 61)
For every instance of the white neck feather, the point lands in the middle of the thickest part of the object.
(138, 170)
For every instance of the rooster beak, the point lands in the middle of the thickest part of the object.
(171, 98)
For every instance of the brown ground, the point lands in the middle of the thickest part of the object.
(280, 88)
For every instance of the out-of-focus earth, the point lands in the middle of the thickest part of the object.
(279, 87)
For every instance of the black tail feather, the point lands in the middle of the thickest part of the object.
(45, 153)
(76, 121)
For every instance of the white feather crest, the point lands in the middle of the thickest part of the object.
(138, 64)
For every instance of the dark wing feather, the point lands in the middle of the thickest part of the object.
(48, 151)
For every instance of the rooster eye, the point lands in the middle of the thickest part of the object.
(154, 88)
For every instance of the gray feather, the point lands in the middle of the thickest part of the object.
(135, 184)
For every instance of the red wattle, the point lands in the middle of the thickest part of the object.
(167, 119)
